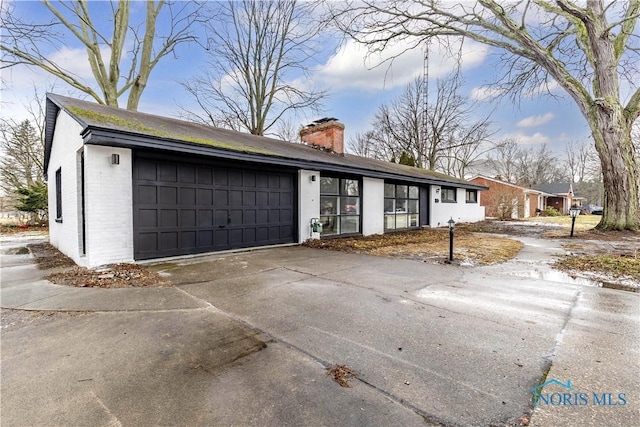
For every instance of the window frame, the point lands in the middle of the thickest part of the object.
(407, 200)
(341, 211)
(446, 189)
(475, 196)
(59, 195)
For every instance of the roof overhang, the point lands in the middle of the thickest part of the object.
(114, 138)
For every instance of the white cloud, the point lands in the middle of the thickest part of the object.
(485, 93)
(521, 138)
(533, 121)
(354, 67)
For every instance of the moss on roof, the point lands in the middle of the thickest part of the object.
(134, 125)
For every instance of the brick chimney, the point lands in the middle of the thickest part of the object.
(326, 134)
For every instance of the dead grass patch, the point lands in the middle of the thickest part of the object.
(112, 276)
(615, 265)
(427, 245)
(341, 374)
(47, 257)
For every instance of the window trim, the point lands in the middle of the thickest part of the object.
(59, 195)
(455, 195)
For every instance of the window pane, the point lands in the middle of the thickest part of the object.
(389, 222)
(349, 205)
(328, 185)
(413, 220)
(414, 192)
(401, 191)
(349, 187)
(328, 205)
(413, 206)
(389, 206)
(401, 221)
(329, 225)
(349, 224)
(389, 190)
(448, 194)
(472, 196)
(401, 206)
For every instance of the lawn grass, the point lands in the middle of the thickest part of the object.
(583, 222)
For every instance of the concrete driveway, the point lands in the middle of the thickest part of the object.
(244, 339)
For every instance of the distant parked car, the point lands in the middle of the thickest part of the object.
(596, 212)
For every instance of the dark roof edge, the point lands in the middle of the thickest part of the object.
(109, 137)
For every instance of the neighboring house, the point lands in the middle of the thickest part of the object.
(504, 199)
(127, 186)
(561, 196)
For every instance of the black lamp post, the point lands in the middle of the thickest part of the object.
(452, 224)
(574, 211)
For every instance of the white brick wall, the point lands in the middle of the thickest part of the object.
(67, 143)
(109, 207)
(308, 203)
(461, 211)
(372, 206)
(108, 193)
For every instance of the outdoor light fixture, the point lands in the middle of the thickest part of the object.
(574, 211)
(313, 178)
(437, 190)
(452, 224)
(115, 159)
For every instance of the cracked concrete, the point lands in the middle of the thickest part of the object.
(244, 338)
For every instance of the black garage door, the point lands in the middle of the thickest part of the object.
(187, 207)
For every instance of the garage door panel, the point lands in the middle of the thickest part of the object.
(205, 175)
(147, 194)
(188, 239)
(148, 242)
(168, 195)
(168, 218)
(187, 174)
(167, 172)
(205, 196)
(187, 196)
(183, 208)
(205, 238)
(187, 217)
(168, 240)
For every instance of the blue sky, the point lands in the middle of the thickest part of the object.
(356, 87)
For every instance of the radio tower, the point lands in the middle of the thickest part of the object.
(425, 106)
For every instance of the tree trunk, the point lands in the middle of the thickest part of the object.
(620, 171)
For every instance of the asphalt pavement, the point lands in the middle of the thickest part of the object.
(245, 339)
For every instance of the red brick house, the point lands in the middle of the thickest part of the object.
(505, 200)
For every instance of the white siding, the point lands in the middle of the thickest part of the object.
(308, 203)
(461, 211)
(372, 206)
(65, 149)
(109, 205)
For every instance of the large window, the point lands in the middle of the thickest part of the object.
(59, 195)
(401, 206)
(448, 195)
(339, 206)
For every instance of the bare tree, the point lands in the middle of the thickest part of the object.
(538, 166)
(443, 136)
(30, 43)
(256, 49)
(587, 49)
(504, 160)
